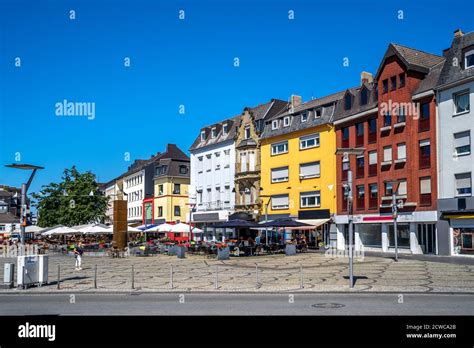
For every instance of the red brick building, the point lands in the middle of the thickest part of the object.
(393, 117)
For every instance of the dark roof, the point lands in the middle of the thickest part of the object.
(8, 218)
(356, 106)
(232, 124)
(268, 110)
(451, 72)
(173, 167)
(431, 80)
(413, 59)
(326, 104)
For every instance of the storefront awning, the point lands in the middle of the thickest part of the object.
(313, 222)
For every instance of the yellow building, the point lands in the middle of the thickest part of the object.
(298, 163)
(171, 187)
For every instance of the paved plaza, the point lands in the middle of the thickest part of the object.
(308, 272)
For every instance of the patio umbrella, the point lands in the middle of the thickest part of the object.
(160, 228)
(130, 229)
(60, 230)
(284, 222)
(183, 228)
(33, 229)
(96, 229)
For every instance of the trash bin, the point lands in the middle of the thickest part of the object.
(290, 249)
(223, 253)
(8, 275)
(181, 252)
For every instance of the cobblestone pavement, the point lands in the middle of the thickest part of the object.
(273, 273)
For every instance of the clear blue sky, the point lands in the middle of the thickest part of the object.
(177, 62)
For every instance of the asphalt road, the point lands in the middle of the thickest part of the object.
(237, 304)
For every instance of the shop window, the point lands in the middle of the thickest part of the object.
(403, 236)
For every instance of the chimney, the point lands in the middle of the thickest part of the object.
(366, 77)
(458, 33)
(295, 100)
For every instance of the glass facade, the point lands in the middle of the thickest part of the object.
(463, 240)
(403, 235)
(370, 235)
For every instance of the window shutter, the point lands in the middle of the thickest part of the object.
(310, 169)
(463, 180)
(462, 139)
(373, 157)
(402, 151)
(425, 186)
(279, 174)
(387, 154)
(279, 201)
(402, 188)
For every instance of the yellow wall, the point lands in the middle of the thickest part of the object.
(168, 200)
(325, 153)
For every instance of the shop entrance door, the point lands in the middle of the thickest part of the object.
(427, 238)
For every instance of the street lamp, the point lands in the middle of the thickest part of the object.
(346, 152)
(266, 216)
(24, 190)
(395, 206)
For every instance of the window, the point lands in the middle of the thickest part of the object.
(401, 115)
(425, 152)
(247, 132)
(360, 134)
(279, 174)
(309, 141)
(461, 102)
(424, 121)
(385, 85)
(280, 148)
(280, 202)
(345, 136)
(360, 166)
(401, 79)
(177, 210)
(388, 188)
(401, 151)
(161, 170)
(183, 170)
(425, 191)
(469, 59)
(372, 163)
(364, 96)
(373, 196)
(347, 101)
(345, 168)
(317, 113)
(463, 184)
(387, 154)
(310, 170)
(393, 83)
(387, 120)
(360, 191)
(310, 199)
(213, 132)
(225, 129)
(286, 121)
(243, 162)
(160, 189)
(275, 124)
(462, 143)
(304, 117)
(200, 164)
(177, 189)
(402, 188)
(203, 135)
(372, 130)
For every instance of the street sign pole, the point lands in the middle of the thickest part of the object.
(351, 238)
(395, 214)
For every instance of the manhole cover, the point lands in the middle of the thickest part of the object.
(328, 305)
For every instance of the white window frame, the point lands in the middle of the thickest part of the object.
(316, 175)
(246, 128)
(468, 132)
(456, 185)
(306, 195)
(391, 154)
(203, 135)
(275, 145)
(455, 97)
(286, 121)
(468, 53)
(280, 179)
(225, 128)
(403, 145)
(304, 117)
(304, 139)
(279, 207)
(213, 132)
(275, 124)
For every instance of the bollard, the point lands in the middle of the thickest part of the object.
(133, 278)
(171, 277)
(59, 276)
(95, 277)
(24, 286)
(256, 276)
(301, 277)
(216, 283)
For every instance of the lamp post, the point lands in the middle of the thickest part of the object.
(395, 206)
(346, 152)
(266, 216)
(24, 191)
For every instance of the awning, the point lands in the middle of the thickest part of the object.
(313, 222)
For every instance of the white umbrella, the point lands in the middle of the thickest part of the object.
(59, 230)
(130, 229)
(183, 228)
(160, 228)
(33, 229)
(96, 229)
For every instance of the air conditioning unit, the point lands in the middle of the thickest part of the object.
(32, 270)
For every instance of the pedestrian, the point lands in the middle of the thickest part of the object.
(78, 251)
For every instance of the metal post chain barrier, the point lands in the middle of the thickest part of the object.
(95, 277)
(216, 283)
(133, 278)
(59, 276)
(171, 277)
(301, 277)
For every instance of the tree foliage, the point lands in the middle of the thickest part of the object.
(70, 202)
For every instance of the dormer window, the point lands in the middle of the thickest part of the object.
(304, 117)
(469, 59)
(347, 102)
(225, 128)
(203, 135)
(318, 112)
(247, 132)
(274, 124)
(213, 132)
(286, 121)
(364, 96)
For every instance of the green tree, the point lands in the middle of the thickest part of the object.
(70, 202)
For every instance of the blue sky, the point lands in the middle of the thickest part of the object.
(181, 62)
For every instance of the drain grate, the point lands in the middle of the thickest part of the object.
(328, 305)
